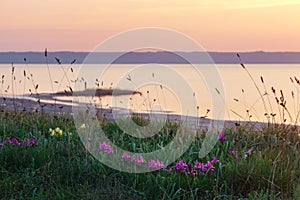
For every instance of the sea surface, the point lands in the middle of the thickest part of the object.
(178, 89)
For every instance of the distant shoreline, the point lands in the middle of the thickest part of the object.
(66, 57)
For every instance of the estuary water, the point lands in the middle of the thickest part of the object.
(247, 93)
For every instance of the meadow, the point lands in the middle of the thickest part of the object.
(42, 157)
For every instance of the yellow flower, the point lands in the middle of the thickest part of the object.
(52, 133)
(83, 126)
(57, 129)
(60, 132)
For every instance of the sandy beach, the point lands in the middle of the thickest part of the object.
(45, 104)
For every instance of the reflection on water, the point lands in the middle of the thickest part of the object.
(243, 100)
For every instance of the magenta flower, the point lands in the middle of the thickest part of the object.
(199, 166)
(222, 137)
(214, 160)
(139, 160)
(155, 165)
(33, 142)
(15, 142)
(126, 156)
(180, 166)
(25, 143)
(106, 148)
(1, 144)
(233, 152)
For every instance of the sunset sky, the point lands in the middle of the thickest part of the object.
(218, 25)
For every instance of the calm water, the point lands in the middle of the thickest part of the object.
(241, 93)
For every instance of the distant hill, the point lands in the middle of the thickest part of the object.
(258, 57)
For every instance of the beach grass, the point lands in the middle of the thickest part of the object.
(252, 163)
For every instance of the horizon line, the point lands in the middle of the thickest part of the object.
(67, 51)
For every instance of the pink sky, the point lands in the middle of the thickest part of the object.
(32, 25)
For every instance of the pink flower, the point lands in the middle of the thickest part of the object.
(126, 156)
(139, 160)
(249, 152)
(106, 148)
(155, 165)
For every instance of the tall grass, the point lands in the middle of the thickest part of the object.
(253, 163)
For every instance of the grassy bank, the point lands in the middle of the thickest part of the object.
(42, 157)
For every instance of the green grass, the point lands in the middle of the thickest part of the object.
(61, 168)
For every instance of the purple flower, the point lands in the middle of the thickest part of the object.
(105, 147)
(33, 142)
(209, 166)
(180, 166)
(214, 160)
(233, 152)
(25, 143)
(15, 142)
(222, 137)
(1, 144)
(199, 166)
(139, 160)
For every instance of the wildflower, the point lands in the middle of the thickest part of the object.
(1, 144)
(7, 141)
(169, 170)
(52, 132)
(25, 143)
(209, 167)
(233, 152)
(199, 166)
(15, 142)
(190, 170)
(56, 132)
(106, 148)
(83, 126)
(33, 142)
(222, 137)
(180, 166)
(155, 165)
(126, 156)
(214, 160)
(249, 152)
(139, 160)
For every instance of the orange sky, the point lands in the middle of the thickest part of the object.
(76, 25)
